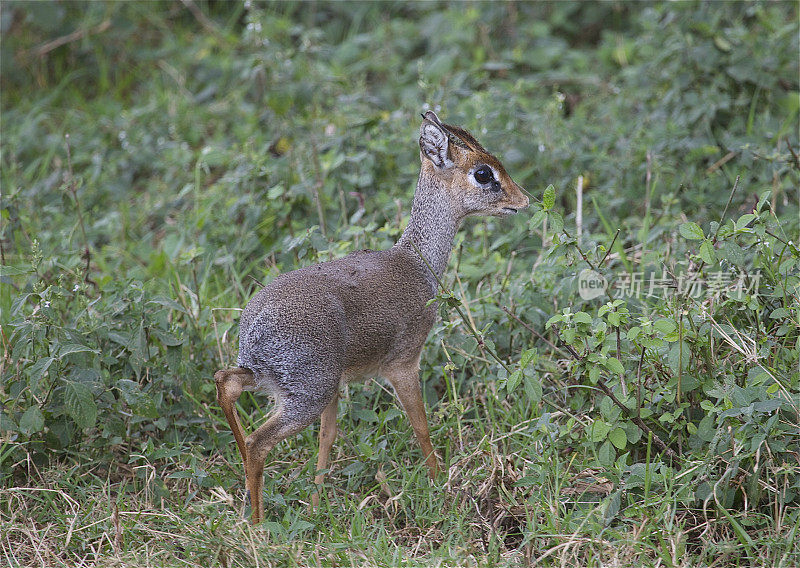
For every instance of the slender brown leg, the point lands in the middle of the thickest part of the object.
(230, 383)
(406, 384)
(289, 417)
(259, 443)
(327, 435)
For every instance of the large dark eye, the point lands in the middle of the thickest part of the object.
(483, 175)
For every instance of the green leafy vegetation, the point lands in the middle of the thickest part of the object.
(614, 378)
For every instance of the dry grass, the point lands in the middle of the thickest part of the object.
(495, 508)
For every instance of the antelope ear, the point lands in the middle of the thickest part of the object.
(434, 142)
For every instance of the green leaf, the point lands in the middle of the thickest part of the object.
(607, 454)
(707, 252)
(613, 365)
(7, 270)
(32, 421)
(70, 348)
(168, 339)
(599, 431)
(778, 313)
(680, 354)
(763, 199)
(527, 356)
(365, 415)
(733, 253)
(533, 388)
(611, 507)
(140, 402)
(650, 342)
(665, 325)
(691, 231)
(352, 469)
(122, 339)
(555, 319)
(549, 197)
(513, 380)
(536, 220)
(80, 404)
(38, 369)
(527, 481)
(556, 221)
(722, 43)
(582, 317)
(618, 437)
(633, 432)
(744, 220)
(786, 266)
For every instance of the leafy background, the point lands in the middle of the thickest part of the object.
(162, 160)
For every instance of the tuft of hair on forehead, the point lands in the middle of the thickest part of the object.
(463, 138)
(456, 134)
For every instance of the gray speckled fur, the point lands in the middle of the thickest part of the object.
(342, 320)
(321, 312)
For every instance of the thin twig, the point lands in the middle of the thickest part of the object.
(532, 330)
(721, 162)
(639, 383)
(794, 154)
(583, 254)
(256, 280)
(608, 250)
(619, 358)
(70, 185)
(579, 210)
(46, 48)
(474, 332)
(771, 234)
(203, 19)
(724, 211)
(317, 186)
(721, 219)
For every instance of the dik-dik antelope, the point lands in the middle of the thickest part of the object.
(363, 315)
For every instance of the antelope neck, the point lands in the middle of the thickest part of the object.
(432, 227)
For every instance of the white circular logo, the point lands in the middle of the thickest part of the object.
(591, 284)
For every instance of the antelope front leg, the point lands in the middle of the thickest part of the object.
(327, 435)
(409, 391)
